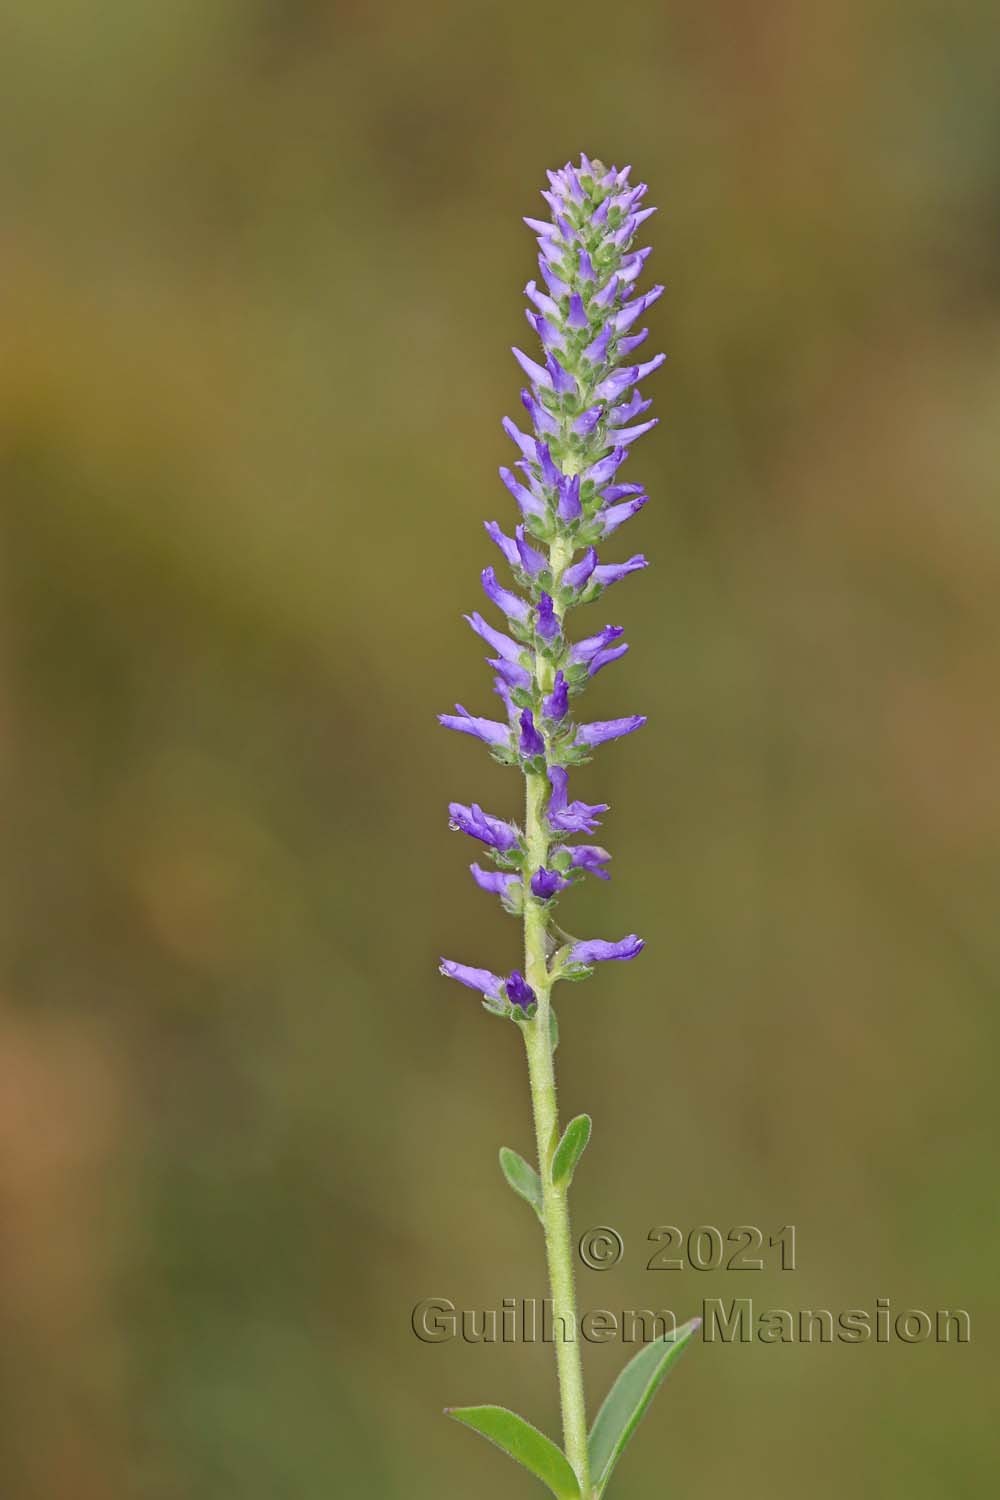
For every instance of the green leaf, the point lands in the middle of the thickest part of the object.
(553, 1028)
(628, 1398)
(524, 1443)
(570, 1149)
(522, 1178)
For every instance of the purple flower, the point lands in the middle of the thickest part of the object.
(497, 882)
(605, 657)
(529, 503)
(550, 473)
(502, 689)
(556, 703)
(521, 439)
(551, 250)
(483, 980)
(632, 310)
(631, 267)
(576, 576)
(577, 317)
(535, 486)
(479, 825)
(483, 729)
(641, 371)
(588, 857)
(570, 817)
(518, 992)
(597, 951)
(546, 883)
(531, 742)
(609, 573)
(607, 296)
(551, 337)
(626, 346)
(560, 380)
(618, 492)
(617, 515)
(596, 351)
(546, 619)
(513, 607)
(584, 424)
(608, 729)
(507, 544)
(606, 469)
(582, 652)
(625, 435)
(619, 380)
(529, 557)
(502, 644)
(542, 302)
(536, 373)
(555, 284)
(634, 407)
(514, 675)
(544, 423)
(569, 507)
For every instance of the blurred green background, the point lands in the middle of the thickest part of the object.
(262, 263)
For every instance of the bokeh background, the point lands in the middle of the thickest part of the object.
(262, 263)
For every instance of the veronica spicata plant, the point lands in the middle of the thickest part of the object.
(585, 408)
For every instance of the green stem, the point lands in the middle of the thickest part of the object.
(555, 1208)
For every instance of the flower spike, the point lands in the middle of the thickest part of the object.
(586, 404)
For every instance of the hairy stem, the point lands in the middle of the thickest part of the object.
(555, 1209)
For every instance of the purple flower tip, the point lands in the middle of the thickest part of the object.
(479, 825)
(513, 607)
(583, 651)
(609, 573)
(536, 373)
(570, 508)
(589, 857)
(483, 980)
(502, 644)
(597, 950)
(605, 657)
(554, 706)
(576, 576)
(545, 883)
(487, 730)
(507, 544)
(531, 741)
(546, 619)
(585, 423)
(608, 729)
(519, 993)
(497, 882)
(570, 817)
(615, 515)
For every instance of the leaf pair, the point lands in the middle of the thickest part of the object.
(616, 1421)
(525, 1180)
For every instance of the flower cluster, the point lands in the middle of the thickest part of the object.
(586, 409)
